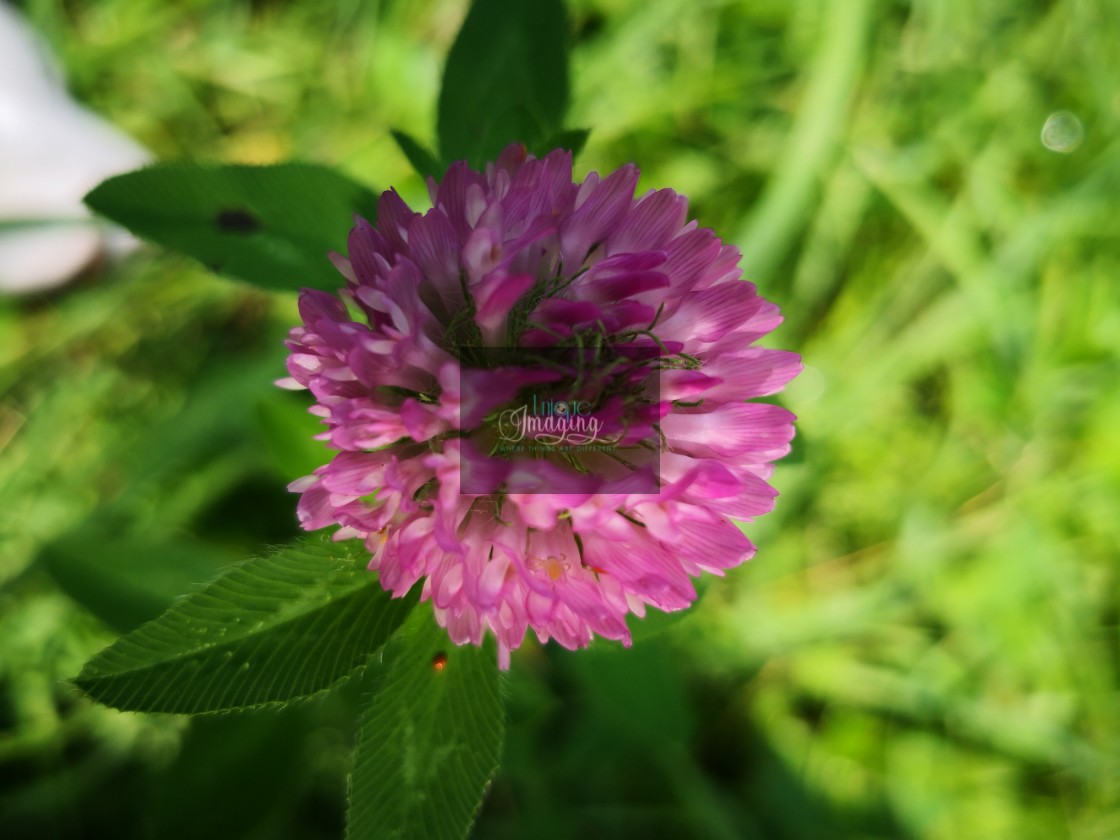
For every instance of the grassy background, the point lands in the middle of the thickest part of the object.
(926, 644)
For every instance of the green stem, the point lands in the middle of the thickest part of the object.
(770, 230)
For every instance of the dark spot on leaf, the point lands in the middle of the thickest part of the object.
(237, 221)
(439, 661)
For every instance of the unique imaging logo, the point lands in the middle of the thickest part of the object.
(553, 423)
(566, 419)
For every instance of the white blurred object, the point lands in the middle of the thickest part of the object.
(52, 152)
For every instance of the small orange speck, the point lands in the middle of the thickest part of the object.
(439, 661)
(553, 566)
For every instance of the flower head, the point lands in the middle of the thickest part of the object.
(537, 393)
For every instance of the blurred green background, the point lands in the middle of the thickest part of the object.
(926, 643)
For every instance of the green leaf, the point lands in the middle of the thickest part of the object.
(430, 740)
(128, 580)
(422, 160)
(506, 79)
(573, 139)
(271, 630)
(271, 225)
